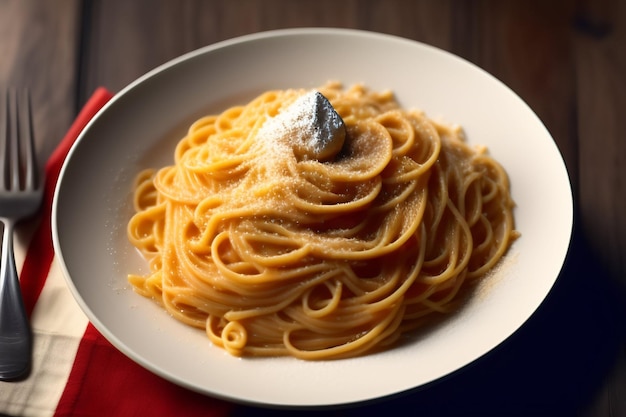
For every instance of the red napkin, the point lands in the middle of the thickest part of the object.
(102, 382)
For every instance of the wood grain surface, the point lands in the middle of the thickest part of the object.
(566, 59)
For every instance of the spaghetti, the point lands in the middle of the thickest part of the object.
(274, 252)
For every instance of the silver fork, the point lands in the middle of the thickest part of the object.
(21, 193)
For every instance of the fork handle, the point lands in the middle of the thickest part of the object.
(15, 332)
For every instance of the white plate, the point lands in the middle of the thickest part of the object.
(139, 127)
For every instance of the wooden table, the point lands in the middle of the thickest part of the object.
(566, 59)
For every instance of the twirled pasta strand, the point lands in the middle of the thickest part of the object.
(272, 254)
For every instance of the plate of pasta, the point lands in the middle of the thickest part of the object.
(275, 218)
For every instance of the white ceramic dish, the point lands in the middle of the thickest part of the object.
(139, 128)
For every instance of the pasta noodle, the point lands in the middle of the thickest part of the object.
(273, 252)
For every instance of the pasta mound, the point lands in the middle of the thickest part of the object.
(272, 253)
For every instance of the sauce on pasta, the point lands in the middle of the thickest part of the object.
(275, 248)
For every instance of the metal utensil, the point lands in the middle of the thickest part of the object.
(21, 193)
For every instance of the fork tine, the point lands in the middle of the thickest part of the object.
(4, 141)
(27, 140)
(14, 140)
